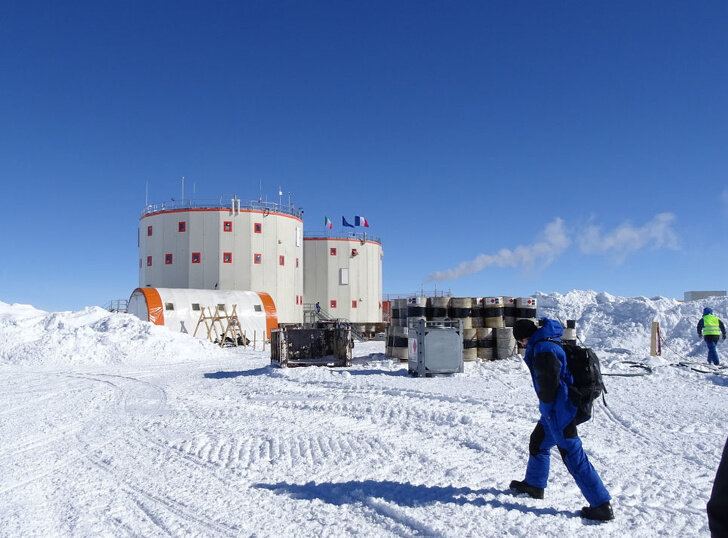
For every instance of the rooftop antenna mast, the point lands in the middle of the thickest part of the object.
(146, 194)
(280, 197)
(183, 189)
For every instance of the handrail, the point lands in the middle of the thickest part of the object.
(358, 236)
(118, 305)
(232, 203)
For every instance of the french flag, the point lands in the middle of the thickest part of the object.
(360, 221)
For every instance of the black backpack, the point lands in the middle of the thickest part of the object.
(588, 385)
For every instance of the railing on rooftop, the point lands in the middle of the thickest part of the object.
(330, 234)
(118, 305)
(224, 202)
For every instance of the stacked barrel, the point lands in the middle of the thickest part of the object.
(397, 343)
(487, 322)
(461, 309)
(570, 332)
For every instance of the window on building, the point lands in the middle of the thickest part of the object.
(221, 307)
(140, 263)
(332, 303)
(296, 263)
(227, 257)
(149, 261)
(227, 226)
(332, 251)
(343, 276)
(257, 308)
(168, 259)
(281, 260)
(168, 306)
(196, 307)
(353, 304)
(149, 231)
(257, 258)
(257, 227)
(354, 252)
(196, 257)
(182, 226)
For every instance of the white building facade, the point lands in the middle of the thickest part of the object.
(257, 247)
(344, 275)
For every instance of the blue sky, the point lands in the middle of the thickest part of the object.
(497, 148)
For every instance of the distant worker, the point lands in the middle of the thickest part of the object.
(546, 361)
(318, 308)
(709, 329)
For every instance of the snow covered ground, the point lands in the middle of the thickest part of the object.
(115, 427)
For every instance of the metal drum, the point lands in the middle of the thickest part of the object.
(416, 309)
(470, 344)
(526, 308)
(477, 313)
(462, 308)
(484, 335)
(509, 311)
(400, 343)
(505, 343)
(570, 332)
(437, 308)
(493, 312)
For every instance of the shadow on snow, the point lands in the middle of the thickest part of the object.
(402, 494)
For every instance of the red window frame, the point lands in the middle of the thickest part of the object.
(353, 303)
(182, 226)
(257, 259)
(227, 226)
(196, 257)
(281, 260)
(168, 259)
(149, 231)
(296, 263)
(257, 228)
(227, 257)
(140, 263)
(149, 261)
(332, 251)
(332, 303)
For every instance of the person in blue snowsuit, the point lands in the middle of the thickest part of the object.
(709, 329)
(546, 361)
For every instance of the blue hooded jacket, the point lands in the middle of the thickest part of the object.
(551, 377)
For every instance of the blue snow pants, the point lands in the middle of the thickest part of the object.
(543, 439)
(712, 341)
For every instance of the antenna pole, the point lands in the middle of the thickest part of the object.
(183, 189)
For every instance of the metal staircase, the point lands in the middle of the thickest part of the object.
(312, 315)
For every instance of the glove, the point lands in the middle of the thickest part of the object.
(723, 337)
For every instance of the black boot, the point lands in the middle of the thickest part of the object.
(523, 487)
(603, 512)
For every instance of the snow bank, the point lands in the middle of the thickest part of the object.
(616, 326)
(29, 336)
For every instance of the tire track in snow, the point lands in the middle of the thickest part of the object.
(151, 503)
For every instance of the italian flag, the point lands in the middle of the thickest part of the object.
(328, 223)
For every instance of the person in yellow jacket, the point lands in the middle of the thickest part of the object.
(709, 329)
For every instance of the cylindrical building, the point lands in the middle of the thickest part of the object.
(217, 246)
(343, 273)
